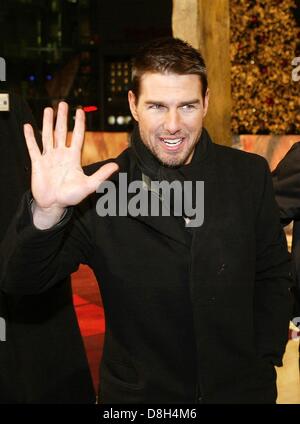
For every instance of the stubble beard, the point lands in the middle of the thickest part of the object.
(168, 162)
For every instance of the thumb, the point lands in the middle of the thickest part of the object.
(101, 175)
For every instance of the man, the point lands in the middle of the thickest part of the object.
(286, 181)
(38, 363)
(193, 313)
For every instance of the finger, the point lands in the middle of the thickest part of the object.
(33, 148)
(47, 132)
(79, 128)
(61, 127)
(101, 175)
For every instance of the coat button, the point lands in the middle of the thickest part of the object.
(222, 268)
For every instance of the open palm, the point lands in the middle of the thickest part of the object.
(57, 179)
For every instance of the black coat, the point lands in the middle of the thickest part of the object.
(185, 322)
(39, 364)
(286, 181)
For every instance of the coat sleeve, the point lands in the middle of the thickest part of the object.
(33, 260)
(272, 298)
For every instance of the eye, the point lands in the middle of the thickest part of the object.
(156, 106)
(188, 107)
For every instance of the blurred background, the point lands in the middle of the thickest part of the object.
(78, 50)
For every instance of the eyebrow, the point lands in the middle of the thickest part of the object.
(189, 102)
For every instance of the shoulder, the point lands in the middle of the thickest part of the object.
(294, 149)
(290, 163)
(240, 161)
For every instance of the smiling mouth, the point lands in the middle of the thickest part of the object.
(171, 142)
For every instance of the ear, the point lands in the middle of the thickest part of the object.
(206, 101)
(132, 105)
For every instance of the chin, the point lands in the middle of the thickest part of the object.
(171, 162)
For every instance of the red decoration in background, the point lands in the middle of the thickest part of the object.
(90, 108)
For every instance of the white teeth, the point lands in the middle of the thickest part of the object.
(172, 142)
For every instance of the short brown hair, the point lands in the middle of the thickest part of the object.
(168, 55)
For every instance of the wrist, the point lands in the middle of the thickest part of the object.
(45, 218)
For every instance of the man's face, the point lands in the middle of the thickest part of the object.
(170, 112)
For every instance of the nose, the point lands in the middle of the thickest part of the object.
(172, 121)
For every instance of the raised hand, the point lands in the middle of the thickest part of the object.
(57, 178)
